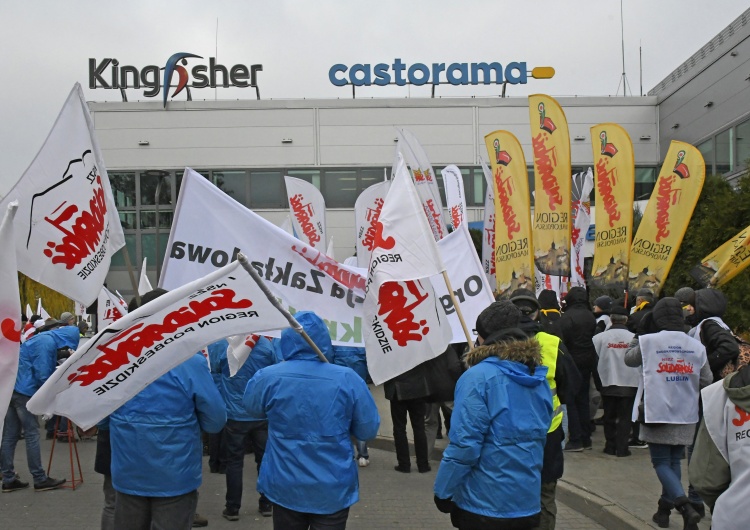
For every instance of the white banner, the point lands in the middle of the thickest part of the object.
(10, 313)
(302, 276)
(406, 325)
(583, 184)
(424, 181)
(29, 312)
(41, 311)
(470, 286)
(239, 350)
(367, 210)
(308, 210)
(110, 308)
(144, 285)
(67, 227)
(488, 229)
(454, 195)
(124, 358)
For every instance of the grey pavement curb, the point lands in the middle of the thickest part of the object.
(604, 511)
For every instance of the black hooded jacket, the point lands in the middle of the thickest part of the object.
(721, 346)
(578, 326)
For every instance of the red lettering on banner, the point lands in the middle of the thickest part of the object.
(82, 234)
(606, 180)
(504, 193)
(679, 367)
(435, 217)
(489, 230)
(457, 216)
(373, 214)
(546, 162)
(9, 331)
(303, 213)
(136, 339)
(743, 418)
(667, 196)
(385, 243)
(332, 268)
(618, 345)
(399, 317)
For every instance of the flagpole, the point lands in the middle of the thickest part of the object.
(131, 273)
(458, 310)
(296, 326)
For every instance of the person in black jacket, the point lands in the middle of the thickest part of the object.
(549, 312)
(644, 304)
(578, 326)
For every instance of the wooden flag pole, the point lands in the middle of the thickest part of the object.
(296, 326)
(458, 311)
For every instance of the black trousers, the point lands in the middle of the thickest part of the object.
(416, 408)
(579, 418)
(464, 520)
(617, 423)
(286, 519)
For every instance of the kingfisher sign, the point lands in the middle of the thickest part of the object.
(109, 73)
(399, 73)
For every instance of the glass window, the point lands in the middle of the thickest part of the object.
(149, 184)
(707, 150)
(724, 152)
(233, 183)
(308, 175)
(341, 188)
(148, 219)
(149, 248)
(368, 177)
(127, 220)
(645, 178)
(179, 180)
(267, 189)
(479, 187)
(118, 259)
(743, 144)
(123, 189)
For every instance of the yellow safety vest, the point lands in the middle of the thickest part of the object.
(550, 346)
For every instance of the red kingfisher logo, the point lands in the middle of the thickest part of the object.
(680, 168)
(545, 123)
(501, 157)
(608, 149)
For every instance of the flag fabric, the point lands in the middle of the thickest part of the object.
(666, 217)
(41, 311)
(455, 198)
(80, 310)
(286, 225)
(125, 357)
(29, 312)
(614, 164)
(10, 313)
(725, 262)
(404, 324)
(367, 210)
(110, 308)
(308, 212)
(304, 277)
(329, 251)
(424, 181)
(514, 260)
(583, 184)
(67, 227)
(488, 229)
(552, 177)
(144, 285)
(239, 350)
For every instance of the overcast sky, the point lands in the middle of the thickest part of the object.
(46, 45)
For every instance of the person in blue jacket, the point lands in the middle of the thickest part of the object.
(37, 360)
(490, 475)
(313, 408)
(356, 359)
(217, 451)
(156, 445)
(241, 426)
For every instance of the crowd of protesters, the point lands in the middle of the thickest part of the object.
(512, 404)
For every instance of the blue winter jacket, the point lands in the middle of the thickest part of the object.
(312, 408)
(493, 463)
(354, 358)
(233, 388)
(217, 359)
(156, 436)
(38, 357)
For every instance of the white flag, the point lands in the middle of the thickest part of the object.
(583, 183)
(329, 251)
(308, 212)
(239, 350)
(29, 312)
(67, 225)
(367, 210)
(144, 285)
(488, 229)
(10, 313)
(454, 195)
(124, 358)
(80, 310)
(405, 324)
(109, 308)
(41, 311)
(286, 225)
(305, 278)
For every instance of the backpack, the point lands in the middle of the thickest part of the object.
(742, 359)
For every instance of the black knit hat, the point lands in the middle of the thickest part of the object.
(497, 316)
(604, 303)
(524, 298)
(548, 299)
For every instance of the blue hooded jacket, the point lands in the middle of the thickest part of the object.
(38, 357)
(217, 359)
(156, 436)
(354, 358)
(493, 463)
(313, 408)
(233, 388)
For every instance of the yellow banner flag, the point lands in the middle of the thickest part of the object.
(666, 217)
(514, 263)
(725, 262)
(614, 176)
(551, 146)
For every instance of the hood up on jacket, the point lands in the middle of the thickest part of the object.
(293, 346)
(667, 315)
(577, 295)
(509, 345)
(65, 337)
(709, 303)
(737, 387)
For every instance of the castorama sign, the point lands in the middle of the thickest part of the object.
(399, 73)
(108, 73)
